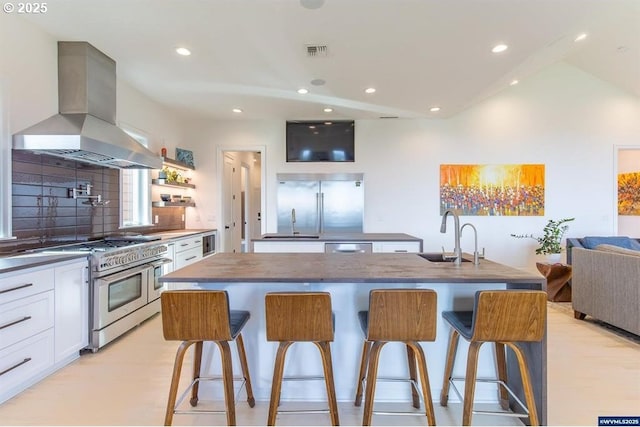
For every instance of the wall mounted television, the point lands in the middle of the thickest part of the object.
(320, 141)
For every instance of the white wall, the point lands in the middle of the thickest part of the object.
(561, 117)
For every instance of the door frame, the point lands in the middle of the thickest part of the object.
(220, 153)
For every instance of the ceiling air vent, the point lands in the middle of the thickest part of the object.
(317, 50)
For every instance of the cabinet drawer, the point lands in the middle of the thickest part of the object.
(23, 284)
(189, 243)
(182, 259)
(396, 247)
(25, 317)
(22, 363)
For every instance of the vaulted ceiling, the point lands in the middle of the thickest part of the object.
(255, 54)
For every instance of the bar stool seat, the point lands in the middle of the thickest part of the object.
(397, 315)
(195, 316)
(506, 318)
(298, 317)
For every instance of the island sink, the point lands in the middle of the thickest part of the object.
(439, 257)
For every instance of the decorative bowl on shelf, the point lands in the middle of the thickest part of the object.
(186, 199)
(176, 197)
(165, 197)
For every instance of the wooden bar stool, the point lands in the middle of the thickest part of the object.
(294, 317)
(503, 317)
(194, 316)
(397, 315)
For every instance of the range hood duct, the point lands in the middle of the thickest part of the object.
(85, 129)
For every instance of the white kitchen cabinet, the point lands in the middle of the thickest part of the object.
(396, 247)
(44, 320)
(187, 251)
(270, 246)
(71, 309)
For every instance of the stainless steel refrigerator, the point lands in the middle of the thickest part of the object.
(323, 203)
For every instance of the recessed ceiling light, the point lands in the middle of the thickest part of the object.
(434, 109)
(183, 51)
(312, 127)
(302, 91)
(499, 48)
(328, 110)
(370, 90)
(514, 82)
(580, 37)
(328, 123)
(237, 110)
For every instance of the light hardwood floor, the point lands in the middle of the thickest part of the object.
(592, 371)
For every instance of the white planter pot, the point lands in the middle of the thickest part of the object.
(553, 258)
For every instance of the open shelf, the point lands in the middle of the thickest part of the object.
(172, 204)
(171, 183)
(177, 164)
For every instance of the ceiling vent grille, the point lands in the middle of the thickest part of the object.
(317, 50)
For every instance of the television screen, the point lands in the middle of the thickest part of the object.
(320, 141)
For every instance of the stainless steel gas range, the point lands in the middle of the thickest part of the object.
(124, 288)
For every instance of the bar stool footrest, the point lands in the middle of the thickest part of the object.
(190, 386)
(500, 383)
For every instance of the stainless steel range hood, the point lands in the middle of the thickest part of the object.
(85, 129)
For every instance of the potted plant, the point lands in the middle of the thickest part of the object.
(550, 242)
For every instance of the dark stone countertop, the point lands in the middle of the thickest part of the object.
(21, 262)
(345, 268)
(338, 237)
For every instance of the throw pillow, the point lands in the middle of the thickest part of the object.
(617, 250)
(590, 242)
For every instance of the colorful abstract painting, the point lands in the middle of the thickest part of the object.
(629, 193)
(484, 190)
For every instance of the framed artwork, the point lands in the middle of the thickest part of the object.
(629, 193)
(184, 156)
(492, 190)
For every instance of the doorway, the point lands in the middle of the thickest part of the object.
(241, 198)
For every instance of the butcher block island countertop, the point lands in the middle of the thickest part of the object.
(345, 268)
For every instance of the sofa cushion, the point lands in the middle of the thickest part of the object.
(590, 242)
(617, 250)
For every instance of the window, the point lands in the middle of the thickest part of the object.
(5, 164)
(135, 191)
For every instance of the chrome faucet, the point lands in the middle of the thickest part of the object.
(293, 221)
(443, 229)
(476, 254)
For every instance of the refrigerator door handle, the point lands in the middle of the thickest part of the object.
(321, 212)
(318, 213)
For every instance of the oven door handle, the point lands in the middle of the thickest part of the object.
(124, 274)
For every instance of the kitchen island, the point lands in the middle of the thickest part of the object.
(349, 278)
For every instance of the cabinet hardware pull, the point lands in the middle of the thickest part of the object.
(6, 325)
(400, 250)
(191, 257)
(184, 244)
(26, 285)
(27, 359)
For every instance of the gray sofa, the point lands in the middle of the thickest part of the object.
(606, 284)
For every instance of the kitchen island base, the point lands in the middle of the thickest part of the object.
(347, 300)
(349, 278)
